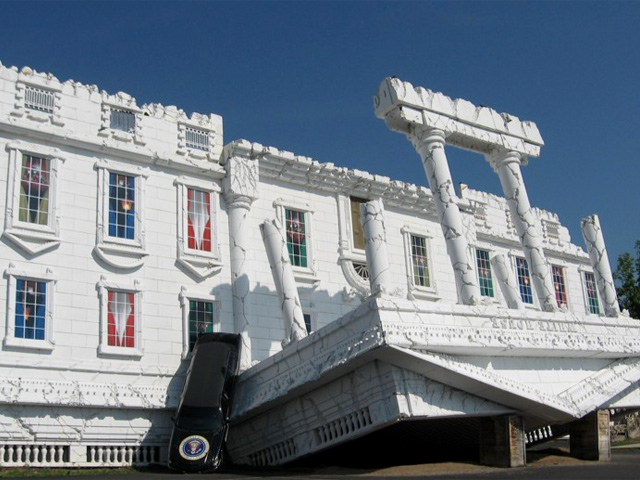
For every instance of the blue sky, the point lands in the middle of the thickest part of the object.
(301, 75)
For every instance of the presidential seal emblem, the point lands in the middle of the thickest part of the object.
(194, 447)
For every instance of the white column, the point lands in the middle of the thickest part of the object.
(240, 190)
(375, 239)
(429, 143)
(278, 255)
(594, 240)
(507, 166)
(507, 281)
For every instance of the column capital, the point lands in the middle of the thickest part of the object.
(419, 136)
(240, 185)
(498, 158)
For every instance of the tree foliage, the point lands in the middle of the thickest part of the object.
(627, 276)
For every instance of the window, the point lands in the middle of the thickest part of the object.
(197, 240)
(524, 280)
(295, 220)
(122, 207)
(485, 281)
(419, 264)
(307, 322)
(30, 309)
(356, 222)
(199, 220)
(36, 102)
(120, 230)
(31, 221)
(296, 237)
(420, 282)
(592, 293)
(200, 320)
(121, 321)
(559, 286)
(29, 312)
(197, 139)
(123, 120)
(199, 316)
(39, 99)
(120, 318)
(34, 190)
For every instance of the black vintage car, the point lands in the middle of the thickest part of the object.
(201, 421)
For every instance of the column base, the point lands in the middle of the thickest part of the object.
(502, 441)
(590, 437)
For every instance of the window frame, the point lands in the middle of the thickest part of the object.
(585, 291)
(489, 268)
(21, 109)
(124, 103)
(33, 238)
(202, 263)
(416, 291)
(186, 296)
(115, 251)
(560, 287)
(302, 274)
(105, 286)
(13, 274)
(528, 286)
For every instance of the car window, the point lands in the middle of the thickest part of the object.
(200, 418)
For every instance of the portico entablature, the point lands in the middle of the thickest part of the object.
(477, 128)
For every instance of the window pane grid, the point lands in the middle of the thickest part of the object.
(200, 320)
(524, 280)
(121, 206)
(30, 309)
(296, 237)
(199, 220)
(558, 285)
(34, 190)
(124, 120)
(121, 319)
(484, 273)
(198, 139)
(419, 264)
(39, 99)
(592, 293)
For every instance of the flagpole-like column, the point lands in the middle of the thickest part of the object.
(240, 190)
(376, 245)
(594, 240)
(278, 255)
(429, 143)
(507, 165)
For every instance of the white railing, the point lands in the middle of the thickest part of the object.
(39, 99)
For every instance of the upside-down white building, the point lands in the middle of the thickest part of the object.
(368, 307)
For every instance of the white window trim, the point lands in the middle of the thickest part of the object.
(494, 281)
(130, 286)
(20, 110)
(121, 101)
(185, 296)
(202, 264)
(582, 270)
(120, 252)
(348, 254)
(514, 268)
(418, 292)
(565, 277)
(33, 239)
(46, 275)
(306, 274)
(196, 153)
